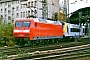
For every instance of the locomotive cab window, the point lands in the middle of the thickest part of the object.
(22, 24)
(18, 24)
(26, 24)
(75, 30)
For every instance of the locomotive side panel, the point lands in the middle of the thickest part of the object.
(37, 30)
(47, 31)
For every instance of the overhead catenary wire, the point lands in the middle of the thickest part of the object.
(35, 8)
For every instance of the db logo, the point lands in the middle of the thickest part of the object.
(21, 30)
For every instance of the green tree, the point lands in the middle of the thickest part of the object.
(1, 18)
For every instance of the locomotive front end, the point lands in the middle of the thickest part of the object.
(21, 29)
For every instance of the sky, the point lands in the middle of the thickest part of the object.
(76, 4)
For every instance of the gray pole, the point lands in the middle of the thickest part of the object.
(65, 10)
(44, 9)
(80, 14)
(68, 11)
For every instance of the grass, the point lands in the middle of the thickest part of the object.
(86, 40)
(83, 58)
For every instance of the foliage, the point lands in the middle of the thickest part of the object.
(6, 33)
(78, 20)
(59, 16)
(62, 16)
(55, 16)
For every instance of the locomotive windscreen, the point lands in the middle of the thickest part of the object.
(22, 24)
(26, 24)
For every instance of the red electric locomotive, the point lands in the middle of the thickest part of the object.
(37, 28)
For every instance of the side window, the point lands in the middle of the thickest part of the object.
(75, 30)
(35, 24)
(83, 30)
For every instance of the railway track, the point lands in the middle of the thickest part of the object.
(15, 50)
(59, 54)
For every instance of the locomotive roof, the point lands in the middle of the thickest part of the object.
(41, 20)
(46, 21)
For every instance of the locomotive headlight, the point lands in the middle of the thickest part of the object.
(27, 35)
(15, 34)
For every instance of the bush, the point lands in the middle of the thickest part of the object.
(6, 31)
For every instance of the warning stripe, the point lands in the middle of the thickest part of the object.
(64, 29)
